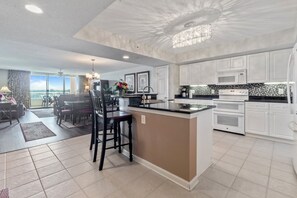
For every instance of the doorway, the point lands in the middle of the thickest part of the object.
(162, 82)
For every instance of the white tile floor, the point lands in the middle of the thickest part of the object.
(243, 167)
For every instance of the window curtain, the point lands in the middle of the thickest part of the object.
(19, 84)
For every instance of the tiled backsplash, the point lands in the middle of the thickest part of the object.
(257, 89)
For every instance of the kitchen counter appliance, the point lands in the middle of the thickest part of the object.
(184, 92)
(231, 77)
(229, 112)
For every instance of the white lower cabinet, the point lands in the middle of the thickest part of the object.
(268, 119)
(279, 119)
(256, 121)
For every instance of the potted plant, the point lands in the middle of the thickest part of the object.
(121, 86)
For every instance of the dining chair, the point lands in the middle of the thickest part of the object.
(84, 111)
(62, 111)
(116, 117)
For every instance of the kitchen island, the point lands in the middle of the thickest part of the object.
(173, 139)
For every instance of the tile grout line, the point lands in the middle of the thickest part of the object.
(37, 174)
(276, 178)
(4, 175)
(270, 171)
(230, 164)
(71, 177)
(166, 180)
(236, 176)
(39, 179)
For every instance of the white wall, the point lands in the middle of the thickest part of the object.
(3, 77)
(173, 80)
(117, 75)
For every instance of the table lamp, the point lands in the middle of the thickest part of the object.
(5, 90)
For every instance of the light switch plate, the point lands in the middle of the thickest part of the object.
(280, 91)
(142, 119)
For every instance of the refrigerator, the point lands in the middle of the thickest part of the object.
(292, 98)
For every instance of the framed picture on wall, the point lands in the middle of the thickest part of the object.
(130, 80)
(143, 80)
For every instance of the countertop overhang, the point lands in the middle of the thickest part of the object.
(188, 110)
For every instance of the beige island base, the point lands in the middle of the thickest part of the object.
(175, 145)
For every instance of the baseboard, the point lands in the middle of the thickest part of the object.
(275, 139)
(180, 181)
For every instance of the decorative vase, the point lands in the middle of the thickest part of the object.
(121, 92)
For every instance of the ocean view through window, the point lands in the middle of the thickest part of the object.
(43, 88)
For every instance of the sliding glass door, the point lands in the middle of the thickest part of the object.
(38, 90)
(44, 87)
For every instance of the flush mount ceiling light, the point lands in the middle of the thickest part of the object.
(194, 27)
(126, 57)
(93, 75)
(192, 35)
(33, 8)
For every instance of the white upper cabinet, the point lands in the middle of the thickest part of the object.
(238, 62)
(233, 63)
(208, 73)
(195, 74)
(258, 68)
(261, 68)
(223, 64)
(198, 73)
(184, 75)
(278, 65)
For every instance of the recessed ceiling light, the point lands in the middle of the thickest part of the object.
(34, 9)
(126, 57)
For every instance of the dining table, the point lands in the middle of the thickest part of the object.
(75, 106)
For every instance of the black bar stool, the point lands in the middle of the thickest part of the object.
(96, 120)
(116, 117)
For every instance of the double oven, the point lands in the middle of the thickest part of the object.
(230, 110)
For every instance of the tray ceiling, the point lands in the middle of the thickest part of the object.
(154, 22)
(46, 43)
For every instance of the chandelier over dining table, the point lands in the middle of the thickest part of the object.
(192, 35)
(94, 75)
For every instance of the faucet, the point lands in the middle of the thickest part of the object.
(143, 95)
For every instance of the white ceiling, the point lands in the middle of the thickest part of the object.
(149, 21)
(46, 42)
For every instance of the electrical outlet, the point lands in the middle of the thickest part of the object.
(212, 91)
(142, 119)
(280, 91)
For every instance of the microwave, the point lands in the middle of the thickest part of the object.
(231, 77)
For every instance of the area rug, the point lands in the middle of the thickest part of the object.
(43, 113)
(35, 131)
(4, 193)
